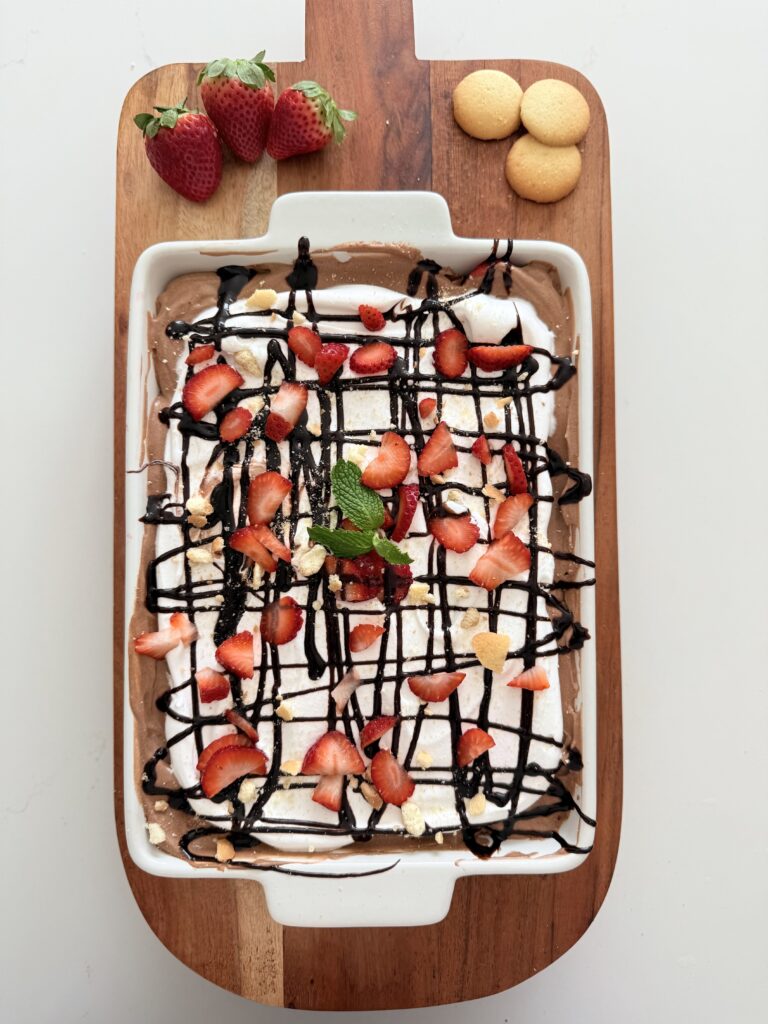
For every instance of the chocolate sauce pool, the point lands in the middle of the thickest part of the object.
(405, 384)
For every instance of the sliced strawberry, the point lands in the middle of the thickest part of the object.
(426, 407)
(355, 592)
(514, 470)
(272, 543)
(245, 727)
(232, 739)
(389, 522)
(236, 654)
(200, 354)
(305, 344)
(235, 424)
(266, 493)
(371, 318)
(450, 357)
(375, 357)
(328, 360)
(481, 269)
(407, 503)
(281, 621)
(285, 410)
(502, 560)
(498, 357)
(435, 687)
(481, 450)
(329, 792)
(509, 514)
(401, 577)
(185, 629)
(390, 467)
(376, 728)
(247, 541)
(230, 764)
(212, 685)
(332, 754)
(208, 387)
(472, 744)
(458, 533)
(365, 568)
(363, 635)
(393, 783)
(157, 644)
(532, 679)
(438, 453)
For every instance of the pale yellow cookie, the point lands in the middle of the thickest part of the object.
(486, 104)
(542, 173)
(555, 112)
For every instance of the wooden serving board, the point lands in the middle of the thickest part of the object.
(500, 930)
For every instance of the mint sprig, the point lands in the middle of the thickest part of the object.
(344, 543)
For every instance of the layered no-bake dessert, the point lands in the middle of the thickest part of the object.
(358, 616)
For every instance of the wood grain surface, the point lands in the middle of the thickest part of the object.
(502, 930)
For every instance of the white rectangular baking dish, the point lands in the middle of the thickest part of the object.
(365, 889)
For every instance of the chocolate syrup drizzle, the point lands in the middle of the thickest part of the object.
(232, 594)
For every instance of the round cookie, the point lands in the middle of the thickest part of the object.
(542, 173)
(486, 104)
(555, 112)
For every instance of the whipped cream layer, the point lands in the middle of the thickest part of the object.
(425, 739)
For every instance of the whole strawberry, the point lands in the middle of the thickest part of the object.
(183, 147)
(239, 101)
(305, 120)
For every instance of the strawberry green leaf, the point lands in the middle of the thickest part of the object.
(143, 121)
(390, 552)
(332, 117)
(344, 543)
(358, 502)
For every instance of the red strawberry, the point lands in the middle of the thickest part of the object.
(389, 522)
(481, 450)
(509, 514)
(272, 543)
(230, 764)
(458, 533)
(371, 318)
(285, 409)
(332, 754)
(402, 577)
(450, 357)
(407, 503)
(245, 727)
(265, 496)
(438, 453)
(375, 357)
(393, 783)
(376, 728)
(329, 792)
(329, 359)
(481, 269)
(212, 685)
(281, 621)
(472, 744)
(498, 357)
(236, 654)
(435, 687)
(199, 354)
(391, 465)
(183, 147)
(232, 739)
(239, 101)
(305, 119)
(235, 424)
(355, 592)
(184, 628)
(305, 344)
(514, 470)
(502, 560)
(261, 545)
(363, 635)
(532, 679)
(426, 407)
(208, 387)
(157, 644)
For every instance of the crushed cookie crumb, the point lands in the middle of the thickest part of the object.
(491, 649)
(161, 805)
(334, 583)
(470, 618)
(217, 545)
(298, 318)
(247, 361)
(155, 833)
(422, 351)
(372, 797)
(503, 402)
(225, 851)
(318, 604)
(197, 505)
(262, 298)
(491, 420)
(291, 767)
(438, 478)
(423, 758)
(315, 429)
(284, 711)
(418, 593)
(439, 838)
(413, 819)
(199, 521)
(493, 492)
(199, 556)
(247, 792)
(312, 560)
(477, 804)
(461, 592)
(357, 454)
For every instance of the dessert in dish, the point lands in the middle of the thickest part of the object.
(360, 602)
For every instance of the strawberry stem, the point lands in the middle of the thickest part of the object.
(254, 72)
(332, 116)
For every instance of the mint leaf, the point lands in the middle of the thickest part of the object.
(390, 552)
(358, 502)
(344, 543)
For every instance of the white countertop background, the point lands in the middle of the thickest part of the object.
(681, 935)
